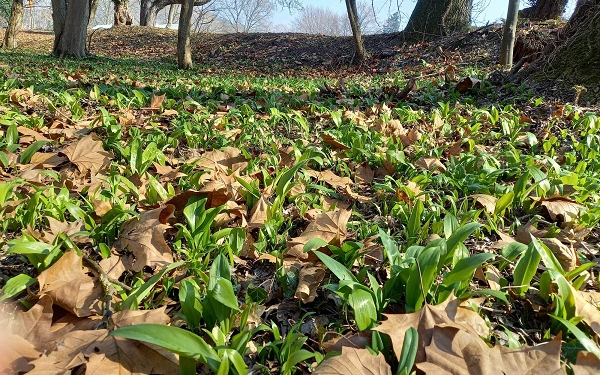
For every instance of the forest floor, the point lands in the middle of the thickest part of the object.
(281, 205)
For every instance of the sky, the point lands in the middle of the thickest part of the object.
(492, 10)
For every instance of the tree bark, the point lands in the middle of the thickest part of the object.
(359, 48)
(14, 24)
(93, 8)
(434, 18)
(184, 49)
(70, 21)
(570, 64)
(510, 30)
(150, 8)
(122, 15)
(544, 10)
(171, 17)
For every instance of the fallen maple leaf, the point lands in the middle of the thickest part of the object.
(71, 287)
(16, 354)
(258, 214)
(587, 364)
(328, 139)
(87, 154)
(561, 208)
(430, 164)
(143, 243)
(486, 201)
(329, 226)
(454, 312)
(363, 174)
(156, 101)
(309, 279)
(356, 362)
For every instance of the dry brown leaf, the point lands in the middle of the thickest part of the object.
(459, 352)
(328, 139)
(587, 364)
(565, 254)
(258, 215)
(359, 340)
(587, 305)
(363, 174)
(505, 239)
(31, 133)
(143, 242)
(329, 226)
(356, 362)
(525, 232)
(430, 164)
(466, 84)
(331, 178)
(87, 154)
(357, 197)
(561, 209)
(157, 100)
(47, 160)
(416, 189)
(16, 354)
(167, 173)
(453, 312)
(308, 281)
(71, 287)
(101, 207)
(486, 202)
(230, 158)
(57, 227)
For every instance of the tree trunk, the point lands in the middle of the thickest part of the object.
(171, 17)
(359, 48)
(184, 49)
(148, 12)
(93, 8)
(570, 64)
(433, 18)
(14, 24)
(544, 10)
(122, 15)
(510, 30)
(70, 27)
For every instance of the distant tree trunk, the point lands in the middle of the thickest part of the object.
(359, 48)
(14, 24)
(93, 8)
(570, 63)
(70, 21)
(184, 49)
(433, 18)
(171, 17)
(544, 10)
(510, 30)
(122, 15)
(150, 8)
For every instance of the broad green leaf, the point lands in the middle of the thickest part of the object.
(173, 339)
(284, 182)
(223, 293)
(504, 202)
(460, 235)
(464, 268)
(295, 358)
(30, 150)
(391, 248)
(336, 267)
(583, 338)
(414, 221)
(29, 247)
(410, 346)
(16, 285)
(138, 294)
(314, 243)
(422, 275)
(363, 305)
(189, 299)
(526, 269)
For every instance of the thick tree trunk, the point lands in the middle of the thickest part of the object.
(93, 8)
(122, 15)
(571, 63)
(510, 30)
(14, 24)
(70, 27)
(544, 10)
(171, 17)
(184, 49)
(433, 18)
(359, 48)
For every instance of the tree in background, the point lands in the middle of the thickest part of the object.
(171, 16)
(150, 8)
(359, 47)
(508, 36)
(392, 24)
(70, 19)
(541, 10)
(14, 25)
(317, 20)
(122, 15)
(433, 18)
(567, 65)
(244, 16)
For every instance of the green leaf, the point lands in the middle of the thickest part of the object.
(363, 305)
(29, 247)
(526, 269)
(423, 273)
(460, 235)
(314, 243)
(295, 358)
(173, 339)
(189, 299)
(27, 154)
(585, 341)
(410, 346)
(504, 202)
(16, 285)
(284, 182)
(223, 293)
(391, 248)
(138, 294)
(414, 221)
(336, 267)
(465, 268)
